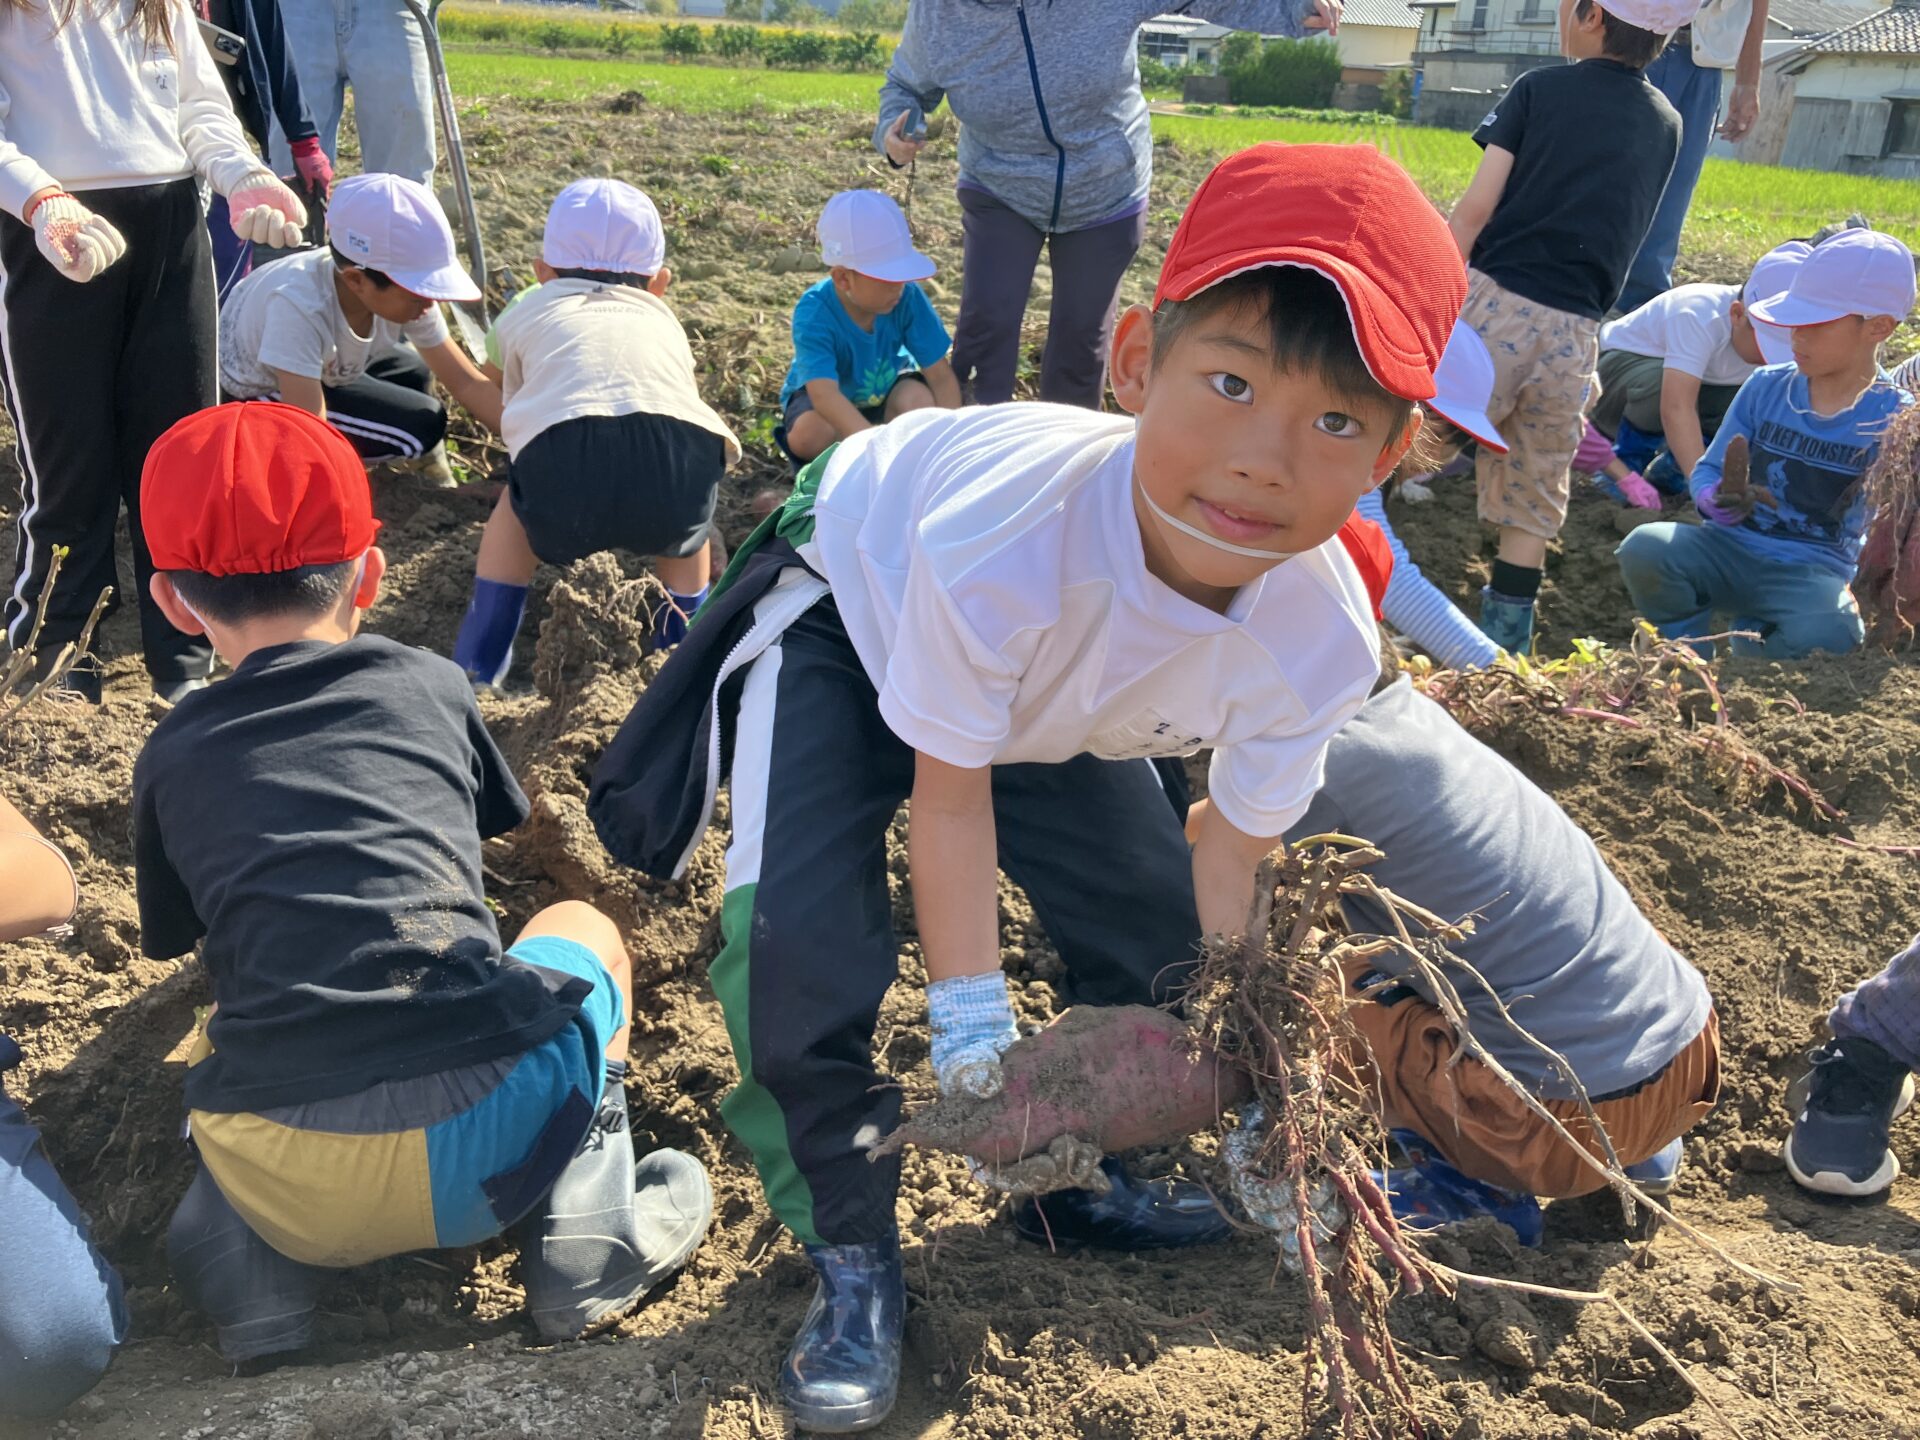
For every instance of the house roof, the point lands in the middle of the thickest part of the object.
(1894, 31)
(1810, 18)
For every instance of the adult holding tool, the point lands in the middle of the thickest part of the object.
(1055, 149)
(111, 113)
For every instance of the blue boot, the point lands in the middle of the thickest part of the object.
(1657, 1173)
(1428, 1192)
(485, 646)
(1506, 621)
(843, 1372)
(671, 619)
(1134, 1214)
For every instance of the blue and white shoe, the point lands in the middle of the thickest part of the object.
(1842, 1110)
(1427, 1193)
(1657, 1173)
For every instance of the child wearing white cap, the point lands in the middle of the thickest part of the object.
(329, 330)
(1669, 370)
(867, 347)
(1780, 487)
(608, 441)
(1576, 157)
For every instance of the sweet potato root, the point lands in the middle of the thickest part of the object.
(1114, 1077)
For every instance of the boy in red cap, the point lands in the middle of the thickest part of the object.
(1576, 158)
(375, 1076)
(1002, 612)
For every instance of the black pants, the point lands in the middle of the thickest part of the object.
(809, 950)
(93, 374)
(389, 412)
(999, 250)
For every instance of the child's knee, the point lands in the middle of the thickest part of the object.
(1645, 553)
(908, 395)
(579, 922)
(808, 435)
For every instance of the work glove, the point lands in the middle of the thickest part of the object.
(1732, 500)
(77, 242)
(1271, 1205)
(1595, 451)
(310, 160)
(972, 1022)
(265, 211)
(1638, 492)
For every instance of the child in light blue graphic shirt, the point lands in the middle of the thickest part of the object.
(867, 346)
(1782, 486)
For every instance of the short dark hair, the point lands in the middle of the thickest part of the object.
(1629, 44)
(381, 280)
(311, 590)
(1308, 329)
(604, 277)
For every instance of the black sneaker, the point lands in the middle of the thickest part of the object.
(1133, 1214)
(1842, 1109)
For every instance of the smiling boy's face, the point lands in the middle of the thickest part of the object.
(1262, 456)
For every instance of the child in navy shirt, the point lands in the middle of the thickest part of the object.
(1781, 486)
(867, 347)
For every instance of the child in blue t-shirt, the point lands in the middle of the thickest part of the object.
(867, 347)
(1781, 486)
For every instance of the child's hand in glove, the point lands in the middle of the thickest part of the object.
(1638, 492)
(77, 242)
(972, 1022)
(266, 212)
(1271, 1204)
(1732, 500)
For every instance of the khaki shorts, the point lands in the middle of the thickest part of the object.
(1481, 1127)
(1543, 362)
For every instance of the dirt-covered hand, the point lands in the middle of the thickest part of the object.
(77, 242)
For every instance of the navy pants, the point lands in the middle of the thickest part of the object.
(62, 1315)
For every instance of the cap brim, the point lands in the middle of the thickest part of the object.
(449, 282)
(1397, 362)
(1776, 346)
(1474, 422)
(1787, 312)
(910, 266)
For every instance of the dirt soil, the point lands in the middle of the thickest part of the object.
(1005, 1342)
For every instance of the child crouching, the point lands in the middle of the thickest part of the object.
(375, 1076)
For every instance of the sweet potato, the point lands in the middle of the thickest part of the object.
(1114, 1077)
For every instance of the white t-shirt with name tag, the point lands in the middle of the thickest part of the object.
(1690, 328)
(988, 566)
(287, 316)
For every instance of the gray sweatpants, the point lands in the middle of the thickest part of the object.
(1886, 1009)
(1000, 248)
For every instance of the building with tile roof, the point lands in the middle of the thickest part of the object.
(1847, 100)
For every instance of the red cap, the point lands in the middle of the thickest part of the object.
(1351, 214)
(1367, 547)
(254, 489)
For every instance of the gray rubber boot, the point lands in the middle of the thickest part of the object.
(610, 1230)
(261, 1302)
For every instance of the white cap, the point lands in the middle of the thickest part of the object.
(865, 231)
(1770, 278)
(1463, 386)
(395, 225)
(1662, 17)
(604, 225)
(1857, 272)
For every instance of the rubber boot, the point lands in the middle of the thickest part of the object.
(609, 1230)
(261, 1303)
(1506, 621)
(1427, 1193)
(484, 648)
(843, 1372)
(670, 620)
(1134, 1214)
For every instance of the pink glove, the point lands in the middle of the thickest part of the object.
(1594, 452)
(314, 167)
(1635, 490)
(266, 212)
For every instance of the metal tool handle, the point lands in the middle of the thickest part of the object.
(428, 15)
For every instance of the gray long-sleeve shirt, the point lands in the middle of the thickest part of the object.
(1047, 93)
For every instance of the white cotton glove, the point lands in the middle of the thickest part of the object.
(266, 212)
(1272, 1206)
(77, 242)
(972, 1023)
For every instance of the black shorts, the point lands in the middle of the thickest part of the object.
(799, 403)
(640, 483)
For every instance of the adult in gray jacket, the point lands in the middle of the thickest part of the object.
(1054, 147)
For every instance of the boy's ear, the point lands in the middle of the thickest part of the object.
(1130, 362)
(372, 569)
(1880, 327)
(1739, 312)
(543, 272)
(1392, 455)
(171, 606)
(662, 278)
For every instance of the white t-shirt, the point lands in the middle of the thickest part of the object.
(1690, 327)
(287, 316)
(988, 565)
(573, 348)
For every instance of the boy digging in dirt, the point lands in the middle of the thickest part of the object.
(353, 333)
(1002, 612)
(375, 1077)
(867, 347)
(609, 444)
(1781, 485)
(1576, 158)
(1559, 941)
